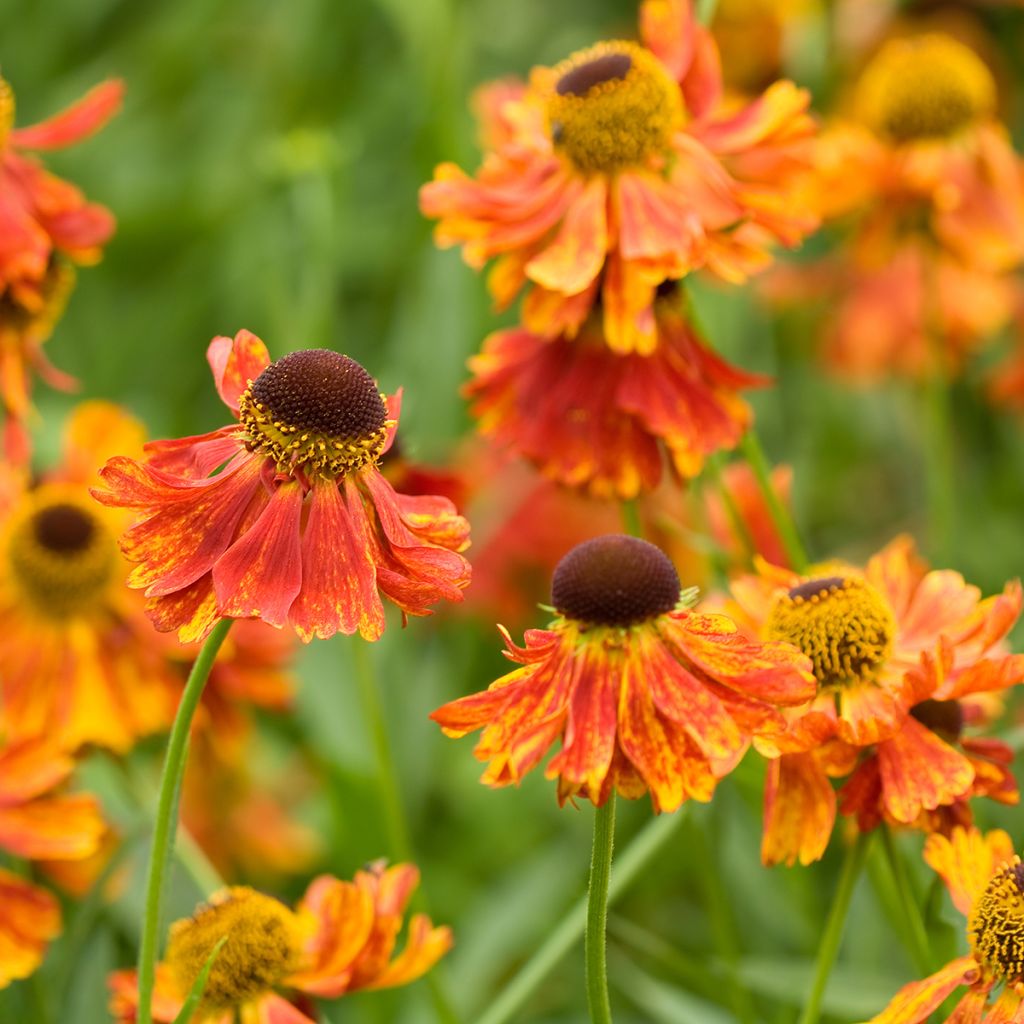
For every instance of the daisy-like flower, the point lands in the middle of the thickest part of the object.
(903, 657)
(284, 515)
(986, 881)
(589, 417)
(37, 823)
(340, 939)
(79, 662)
(644, 694)
(621, 168)
(938, 202)
(47, 226)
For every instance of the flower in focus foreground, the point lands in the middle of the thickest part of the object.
(937, 199)
(296, 524)
(620, 169)
(986, 881)
(47, 226)
(905, 658)
(79, 662)
(644, 694)
(340, 939)
(589, 417)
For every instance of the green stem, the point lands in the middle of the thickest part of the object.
(732, 510)
(634, 858)
(631, 519)
(752, 451)
(391, 795)
(376, 723)
(166, 814)
(829, 945)
(595, 943)
(920, 948)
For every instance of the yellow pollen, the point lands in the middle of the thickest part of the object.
(925, 87)
(613, 106)
(995, 927)
(842, 623)
(60, 553)
(6, 111)
(264, 945)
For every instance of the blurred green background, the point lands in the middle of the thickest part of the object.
(264, 173)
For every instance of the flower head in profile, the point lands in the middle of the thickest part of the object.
(928, 179)
(48, 226)
(621, 168)
(986, 881)
(284, 515)
(589, 417)
(38, 821)
(906, 659)
(79, 662)
(644, 694)
(341, 938)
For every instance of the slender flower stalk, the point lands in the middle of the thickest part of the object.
(597, 914)
(752, 451)
(919, 946)
(166, 814)
(829, 945)
(636, 856)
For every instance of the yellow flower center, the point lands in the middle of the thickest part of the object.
(996, 925)
(613, 106)
(842, 623)
(615, 580)
(6, 111)
(60, 553)
(264, 944)
(930, 86)
(317, 411)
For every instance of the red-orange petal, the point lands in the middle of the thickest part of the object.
(74, 123)
(234, 363)
(915, 1002)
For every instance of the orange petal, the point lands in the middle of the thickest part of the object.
(967, 860)
(76, 122)
(914, 1003)
(57, 827)
(30, 919)
(236, 362)
(799, 810)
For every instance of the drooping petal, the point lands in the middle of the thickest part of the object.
(53, 827)
(30, 919)
(424, 946)
(260, 575)
(966, 860)
(799, 810)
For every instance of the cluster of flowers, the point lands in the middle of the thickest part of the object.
(607, 181)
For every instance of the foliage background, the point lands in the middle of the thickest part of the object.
(264, 173)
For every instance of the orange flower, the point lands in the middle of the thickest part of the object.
(938, 201)
(79, 663)
(37, 823)
(588, 417)
(297, 525)
(902, 656)
(986, 881)
(340, 939)
(46, 225)
(622, 168)
(31, 918)
(644, 694)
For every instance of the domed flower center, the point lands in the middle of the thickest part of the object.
(944, 717)
(614, 581)
(264, 944)
(996, 925)
(61, 555)
(843, 624)
(316, 409)
(613, 106)
(927, 87)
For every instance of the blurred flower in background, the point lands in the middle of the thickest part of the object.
(46, 226)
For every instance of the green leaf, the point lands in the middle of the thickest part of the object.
(190, 1004)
